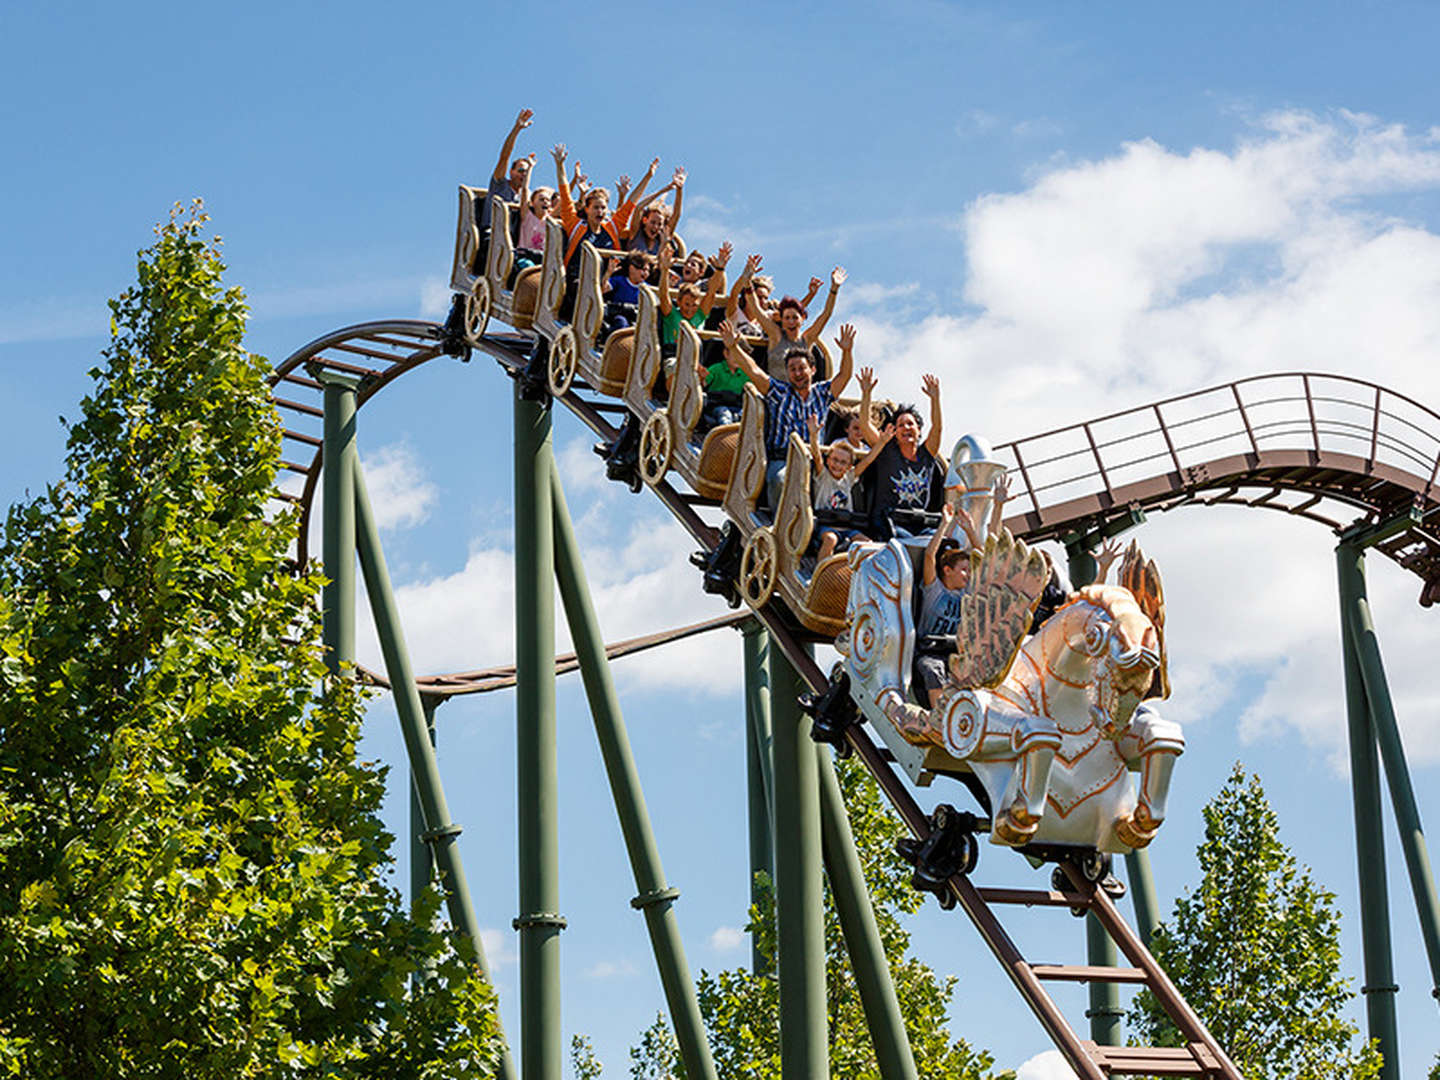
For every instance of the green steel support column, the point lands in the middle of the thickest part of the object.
(759, 780)
(1379, 988)
(1142, 893)
(422, 866)
(1104, 1012)
(799, 898)
(539, 921)
(441, 832)
(337, 544)
(656, 899)
(862, 934)
(1397, 774)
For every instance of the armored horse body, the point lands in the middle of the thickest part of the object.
(1054, 730)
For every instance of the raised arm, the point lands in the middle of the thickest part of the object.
(645, 180)
(874, 451)
(867, 425)
(846, 341)
(932, 549)
(678, 183)
(667, 256)
(622, 186)
(732, 302)
(813, 423)
(568, 216)
(931, 386)
(811, 293)
(738, 353)
(1000, 494)
(815, 329)
(766, 323)
(1104, 558)
(502, 166)
(717, 279)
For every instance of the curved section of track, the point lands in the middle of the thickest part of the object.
(1335, 450)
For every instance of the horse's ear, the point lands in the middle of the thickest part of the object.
(1142, 577)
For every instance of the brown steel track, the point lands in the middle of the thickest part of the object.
(1335, 450)
(1328, 448)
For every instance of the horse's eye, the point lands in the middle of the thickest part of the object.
(1095, 637)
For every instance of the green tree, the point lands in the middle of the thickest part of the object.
(742, 1008)
(1255, 949)
(192, 866)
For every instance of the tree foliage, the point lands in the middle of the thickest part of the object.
(192, 866)
(1255, 949)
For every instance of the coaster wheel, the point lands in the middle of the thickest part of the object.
(564, 357)
(656, 447)
(477, 311)
(759, 568)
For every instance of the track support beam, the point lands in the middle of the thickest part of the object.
(1372, 726)
(799, 898)
(539, 922)
(759, 776)
(337, 545)
(655, 898)
(862, 933)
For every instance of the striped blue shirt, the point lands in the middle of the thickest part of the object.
(787, 411)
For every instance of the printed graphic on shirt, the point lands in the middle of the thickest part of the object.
(912, 486)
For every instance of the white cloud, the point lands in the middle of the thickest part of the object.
(607, 969)
(874, 293)
(1047, 1066)
(727, 938)
(400, 495)
(434, 298)
(497, 946)
(1112, 283)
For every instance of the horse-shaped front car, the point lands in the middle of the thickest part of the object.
(1050, 724)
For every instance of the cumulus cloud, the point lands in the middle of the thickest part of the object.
(727, 938)
(1047, 1066)
(400, 495)
(1153, 272)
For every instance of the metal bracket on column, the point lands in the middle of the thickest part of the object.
(650, 899)
(539, 918)
(441, 833)
(1366, 534)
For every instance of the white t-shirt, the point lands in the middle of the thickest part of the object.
(832, 494)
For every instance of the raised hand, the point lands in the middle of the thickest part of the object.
(931, 386)
(753, 265)
(729, 335)
(1001, 489)
(846, 340)
(654, 164)
(1105, 557)
(667, 251)
(559, 152)
(722, 257)
(815, 284)
(680, 175)
(813, 423)
(523, 120)
(837, 277)
(867, 380)
(622, 187)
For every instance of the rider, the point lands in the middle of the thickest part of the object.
(908, 474)
(944, 575)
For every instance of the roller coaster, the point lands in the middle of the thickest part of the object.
(1352, 456)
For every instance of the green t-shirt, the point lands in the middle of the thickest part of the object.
(670, 324)
(721, 377)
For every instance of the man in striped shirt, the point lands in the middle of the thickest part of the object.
(789, 405)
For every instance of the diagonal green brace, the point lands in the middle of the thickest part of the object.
(440, 831)
(655, 899)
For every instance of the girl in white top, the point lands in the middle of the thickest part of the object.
(535, 207)
(836, 470)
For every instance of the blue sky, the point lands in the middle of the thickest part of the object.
(1061, 212)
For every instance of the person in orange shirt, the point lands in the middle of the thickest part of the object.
(593, 220)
